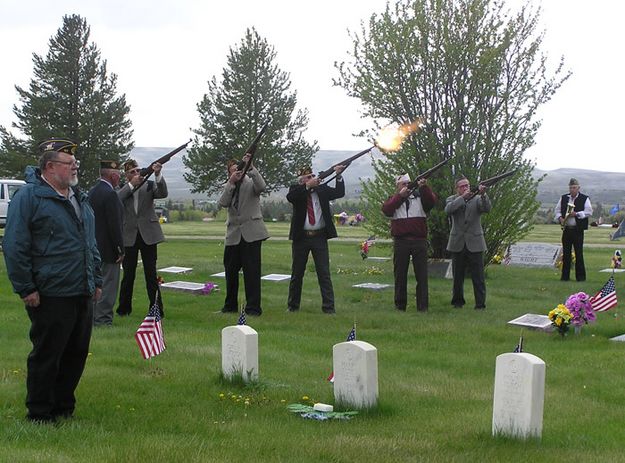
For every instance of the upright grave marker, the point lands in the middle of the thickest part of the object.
(533, 254)
(355, 374)
(519, 396)
(239, 352)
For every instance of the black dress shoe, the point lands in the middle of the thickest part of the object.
(41, 419)
(291, 309)
(329, 311)
(458, 306)
(480, 307)
(225, 310)
(401, 309)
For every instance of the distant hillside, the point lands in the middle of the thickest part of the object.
(603, 187)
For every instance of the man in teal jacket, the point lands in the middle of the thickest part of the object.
(53, 263)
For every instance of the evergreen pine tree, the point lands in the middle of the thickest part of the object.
(252, 89)
(71, 95)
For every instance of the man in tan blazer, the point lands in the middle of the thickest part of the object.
(466, 240)
(142, 231)
(245, 232)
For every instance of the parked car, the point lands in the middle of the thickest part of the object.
(8, 188)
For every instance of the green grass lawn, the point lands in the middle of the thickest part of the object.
(436, 370)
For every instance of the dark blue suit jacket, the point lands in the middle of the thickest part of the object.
(109, 221)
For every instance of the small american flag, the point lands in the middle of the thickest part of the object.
(350, 337)
(507, 258)
(605, 299)
(519, 347)
(242, 320)
(149, 336)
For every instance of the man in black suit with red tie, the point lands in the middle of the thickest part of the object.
(311, 228)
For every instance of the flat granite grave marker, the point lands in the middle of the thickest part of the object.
(519, 396)
(533, 321)
(533, 254)
(175, 269)
(239, 352)
(276, 277)
(185, 286)
(355, 374)
(373, 286)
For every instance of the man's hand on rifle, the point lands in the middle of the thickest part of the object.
(156, 167)
(481, 189)
(236, 176)
(338, 170)
(247, 159)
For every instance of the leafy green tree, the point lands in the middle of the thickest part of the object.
(71, 95)
(475, 72)
(252, 89)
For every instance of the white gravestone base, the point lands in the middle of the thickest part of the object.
(355, 374)
(519, 396)
(239, 352)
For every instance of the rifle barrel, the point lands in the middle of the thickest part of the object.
(326, 173)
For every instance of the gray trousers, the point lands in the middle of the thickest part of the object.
(103, 308)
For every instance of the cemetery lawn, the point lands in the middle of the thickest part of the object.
(436, 370)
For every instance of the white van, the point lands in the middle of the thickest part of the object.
(8, 188)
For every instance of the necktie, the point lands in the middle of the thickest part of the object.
(311, 210)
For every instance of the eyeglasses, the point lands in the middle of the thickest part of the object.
(133, 171)
(73, 163)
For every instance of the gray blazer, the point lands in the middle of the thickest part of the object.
(145, 221)
(466, 226)
(247, 220)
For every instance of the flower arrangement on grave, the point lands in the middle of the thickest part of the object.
(617, 259)
(497, 259)
(343, 218)
(208, 288)
(359, 218)
(580, 308)
(560, 318)
(365, 246)
(159, 280)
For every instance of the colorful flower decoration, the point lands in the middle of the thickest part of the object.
(580, 308)
(560, 318)
(617, 259)
(208, 287)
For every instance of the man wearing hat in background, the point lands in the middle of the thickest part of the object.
(245, 233)
(142, 231)
(311, 228)
(54, 265)
(109, 222)
(408, 212)
(572, 212)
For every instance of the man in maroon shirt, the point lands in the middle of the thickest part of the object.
(408, 212)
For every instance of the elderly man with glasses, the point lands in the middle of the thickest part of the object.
(53, 264)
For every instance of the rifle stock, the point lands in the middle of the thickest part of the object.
(326, 173)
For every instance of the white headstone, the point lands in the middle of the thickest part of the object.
(239, 352)
(355, 374)
(519, 395)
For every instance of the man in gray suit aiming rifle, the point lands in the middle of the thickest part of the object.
(245, 233)
(466, 239)
(142, 231)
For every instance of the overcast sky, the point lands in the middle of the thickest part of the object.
(164, 52)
